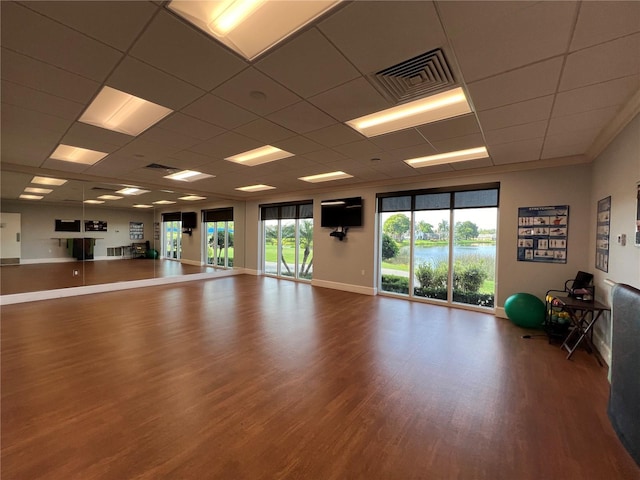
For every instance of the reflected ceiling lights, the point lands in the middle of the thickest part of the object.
(37, 190)
(25, 196)
(261, 155)
(94, 202)
(250, 27)
(188, 176)
(449, 157)
(325, 177)
(122, 112)
(426, 110)
(48, 181)
(255, 188)
(141, 205)
(132, 191)
(191, 198)
(67, 153)
(109, 197)
(164, 202)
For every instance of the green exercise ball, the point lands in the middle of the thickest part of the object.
(525, 310)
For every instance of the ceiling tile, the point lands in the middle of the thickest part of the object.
(516, 133)
(145, 149)
(603, 62)
(295, 65)
(510, 37)
(91, 135)
(184, 51)
(573, 143)
(301, 117)
(517, 113)
(401, 139)
(336, 134)
(386, 34)
(180, 123)
(360, 149)
(600, 22)
(219, 112)
(589, 120)
(414, 151)
(479, 163)
(254, 91)
(325, 156)
(38, 101)
(459, 143)
(16, 116)
(31, 34)
(516, 86)
(226, 145)
(144, 81)
(169, 138)
(516, 152)
(46, 78)
(264, 131)
(351, 100)
(62, 166)
(26, 145)
(451, 128)
(298, 145)
(613, 92)
(113, 22)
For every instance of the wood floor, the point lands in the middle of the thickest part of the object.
(257, 378)
(48, 276)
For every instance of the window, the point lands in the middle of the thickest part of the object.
(287, 241)
(172, 235)
(218, 238)
(440, 244)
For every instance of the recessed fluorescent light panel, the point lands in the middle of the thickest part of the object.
(109, 197)
(325, 177)
(255, 188)
(192, 198)
(94, 202)
(37, 190)
(449, 157)
(164, 202)
(250, 27)
(132, 191)
(188, 176)
(67, 153)
(31, 197)
(426, 110)
(48, 181)
(141, 205)
(258, 156)
(122, 112)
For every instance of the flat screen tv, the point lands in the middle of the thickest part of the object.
(341, 212)
(189, 220)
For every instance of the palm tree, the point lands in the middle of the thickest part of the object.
(306, 242)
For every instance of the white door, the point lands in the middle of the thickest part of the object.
(9, 238)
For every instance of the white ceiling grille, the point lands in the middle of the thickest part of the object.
(418, 77)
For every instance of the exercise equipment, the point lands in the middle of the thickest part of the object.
(525, 310)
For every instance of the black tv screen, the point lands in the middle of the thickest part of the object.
(341, 212)
(189, 220)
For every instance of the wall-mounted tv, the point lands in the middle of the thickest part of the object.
(189, 220)
(341, 212)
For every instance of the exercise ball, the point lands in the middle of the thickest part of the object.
(525, 310)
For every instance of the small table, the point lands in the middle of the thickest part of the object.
(583, 315)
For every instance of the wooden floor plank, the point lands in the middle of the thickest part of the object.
(257, 378)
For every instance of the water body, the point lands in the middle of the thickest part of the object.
(437, 253)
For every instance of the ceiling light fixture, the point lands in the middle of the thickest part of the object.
(37, 190)
(449, 157)
(122, 112)
(255, 188)
(188, 176)
(192, 198)
(31, 197)
(164, 202)
(250, 27)
(48, 181)
(141, 205)
(325, 177)
(437, 107)
(94, 202)
(109, 197)
(132, 191)
(68, 153)
(261, 155)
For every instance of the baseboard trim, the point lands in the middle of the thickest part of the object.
(111, 287)
(344, 287)
(29, 261)
(499, 312)
(195, 263)
(603, 348)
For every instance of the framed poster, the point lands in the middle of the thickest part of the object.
(543, 234)
(602, 234)
(156, 230)
(136, 230)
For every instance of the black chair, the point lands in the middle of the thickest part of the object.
(556, 322)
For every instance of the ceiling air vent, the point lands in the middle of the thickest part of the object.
(418, 77)
(103, 189)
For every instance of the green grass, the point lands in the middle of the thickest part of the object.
(289, 253)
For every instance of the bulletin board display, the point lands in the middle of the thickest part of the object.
(136, 230)
(602, 234)
(95, 226)
(543, 234)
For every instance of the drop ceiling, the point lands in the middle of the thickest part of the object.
(545, 80)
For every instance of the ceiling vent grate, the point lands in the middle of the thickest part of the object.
(157, 166)
(103, 189)
(416, 78)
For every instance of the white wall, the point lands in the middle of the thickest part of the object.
(616, 173)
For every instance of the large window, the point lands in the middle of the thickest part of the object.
(288, 239)
(440, 244)
(218, 237)
(172, 235)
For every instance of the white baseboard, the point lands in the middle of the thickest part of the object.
(111, 287)
(603, 348)
(345, 287)
(195, 263)
(249, 271)
(501, 313)
(30, 261)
